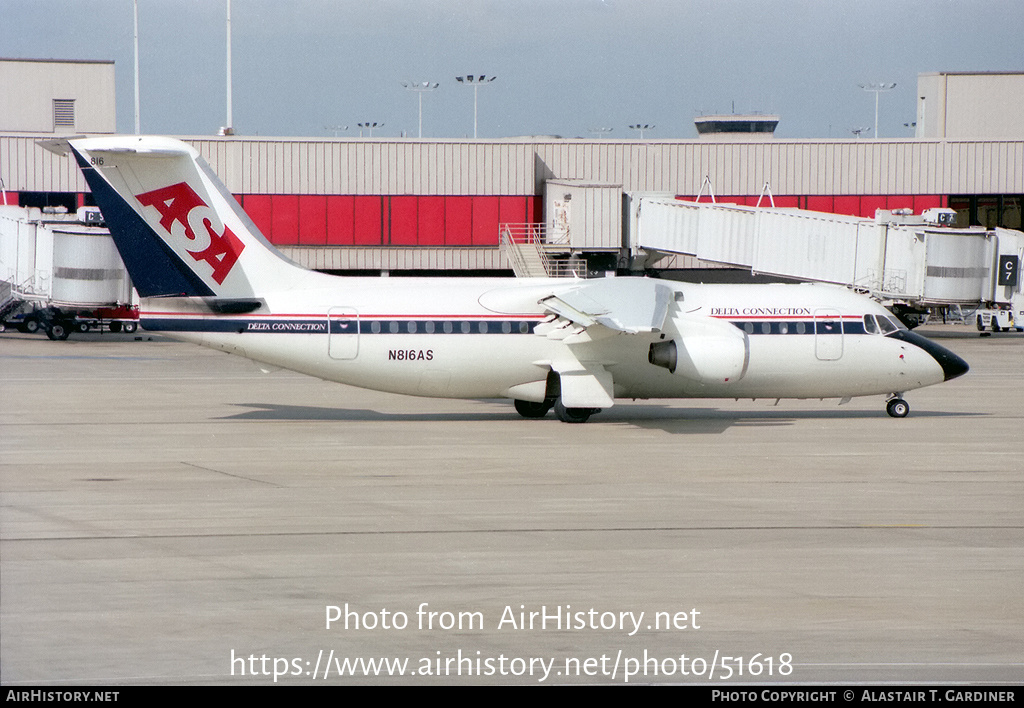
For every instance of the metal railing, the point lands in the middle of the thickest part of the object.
(516, 238)
(525, 233)
(891, 281)
(513, 254)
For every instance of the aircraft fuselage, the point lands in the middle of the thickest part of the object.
(434, 338)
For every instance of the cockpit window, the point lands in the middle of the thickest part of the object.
(888, 324)
(881, 324)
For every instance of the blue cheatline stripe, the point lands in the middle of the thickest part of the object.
(343, 325)
(337, 325)
(440, 327)
(800, 327)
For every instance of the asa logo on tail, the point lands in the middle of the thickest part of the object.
(179, 203)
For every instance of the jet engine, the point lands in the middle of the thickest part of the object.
(704, 349)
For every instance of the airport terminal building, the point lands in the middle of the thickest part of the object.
(406, 205)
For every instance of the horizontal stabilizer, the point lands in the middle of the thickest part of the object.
(224, 306)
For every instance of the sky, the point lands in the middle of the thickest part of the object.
(563, 67)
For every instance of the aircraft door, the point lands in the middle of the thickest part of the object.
(343, 333)
(828, 334)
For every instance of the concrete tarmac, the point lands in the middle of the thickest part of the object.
(171, 515)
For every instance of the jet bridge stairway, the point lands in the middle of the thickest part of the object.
(524, 254)
(527, 251)
(9, 300)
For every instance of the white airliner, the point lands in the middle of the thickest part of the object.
(206, 275)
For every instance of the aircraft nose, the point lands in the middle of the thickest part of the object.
(952, 365)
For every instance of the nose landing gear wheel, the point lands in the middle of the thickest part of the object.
(897, 408)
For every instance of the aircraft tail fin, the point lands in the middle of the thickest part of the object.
(178, 229)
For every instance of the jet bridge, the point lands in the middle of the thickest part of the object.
(61, 272)
(897, 256)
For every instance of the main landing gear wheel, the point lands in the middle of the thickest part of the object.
(897, 408)
(532, 409)
(573, 415)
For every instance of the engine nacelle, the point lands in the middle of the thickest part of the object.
(705, 350)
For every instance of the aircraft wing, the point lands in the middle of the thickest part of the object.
(580, 314)
(629, 305)
(592, 310)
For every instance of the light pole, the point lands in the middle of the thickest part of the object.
(877, 89)
(858, 131)
(369, 126)
(228, 128)
(136, 14)
(642, 127)
(475, 81)
(420, 87)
